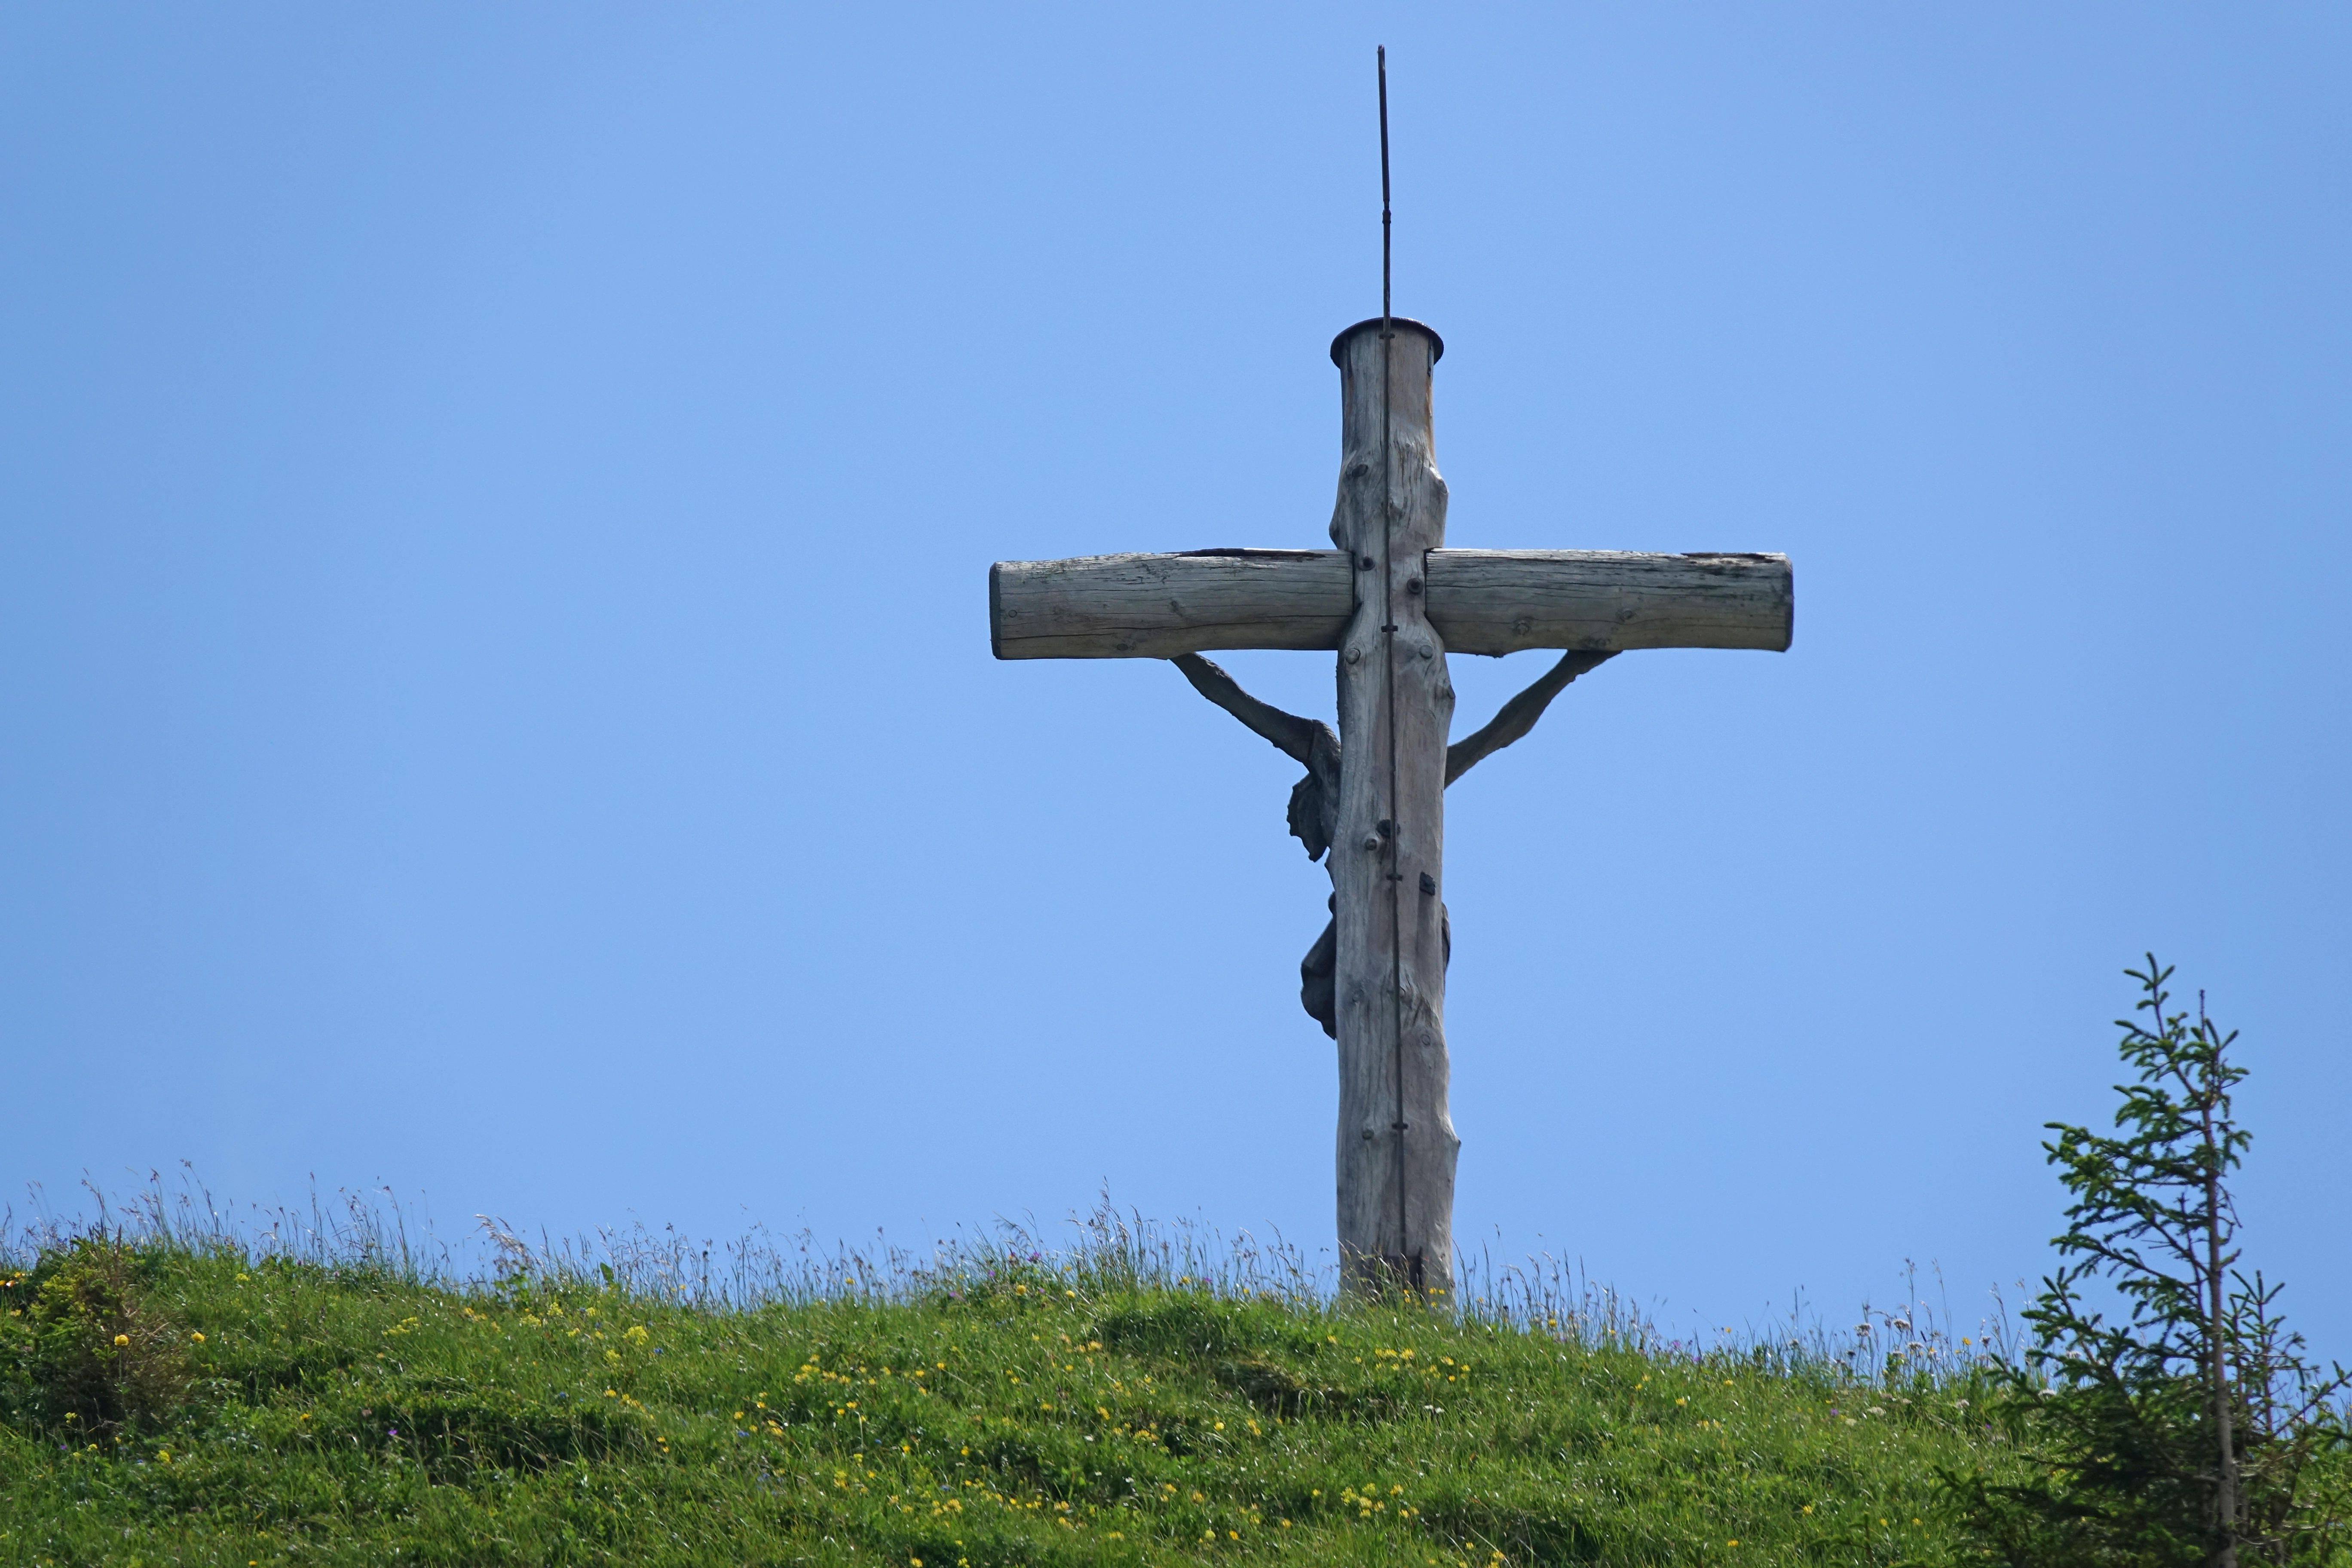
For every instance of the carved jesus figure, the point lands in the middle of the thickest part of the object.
(1314, 799)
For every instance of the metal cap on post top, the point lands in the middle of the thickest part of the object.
(1436, 343)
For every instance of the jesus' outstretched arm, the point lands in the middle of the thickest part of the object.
(1517, 716)
(1308, 741)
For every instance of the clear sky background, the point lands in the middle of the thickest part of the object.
(494, 512)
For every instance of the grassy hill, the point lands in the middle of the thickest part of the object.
(169, 1402)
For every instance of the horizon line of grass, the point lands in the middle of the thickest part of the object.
(370, 1233)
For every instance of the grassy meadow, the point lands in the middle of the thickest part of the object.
(169, 1400)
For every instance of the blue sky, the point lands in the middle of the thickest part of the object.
(494, 512)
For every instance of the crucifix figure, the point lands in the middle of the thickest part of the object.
(1393, 602)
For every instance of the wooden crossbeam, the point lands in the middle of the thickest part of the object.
(1480, 601)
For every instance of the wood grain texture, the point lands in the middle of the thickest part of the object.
(1609, 601)
(1157, 606)
(1396, 1144)
(1479, 601)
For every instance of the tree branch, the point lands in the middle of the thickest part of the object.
(1517, 716)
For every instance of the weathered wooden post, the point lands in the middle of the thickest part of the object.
(1396, 1142)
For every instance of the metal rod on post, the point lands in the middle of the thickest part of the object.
(1382, 56)
(1397, 1126)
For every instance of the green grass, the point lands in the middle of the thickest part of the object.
(1013, 1413)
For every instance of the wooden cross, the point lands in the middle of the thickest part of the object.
(1393, 602)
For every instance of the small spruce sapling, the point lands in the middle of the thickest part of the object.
(2195, 1433)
